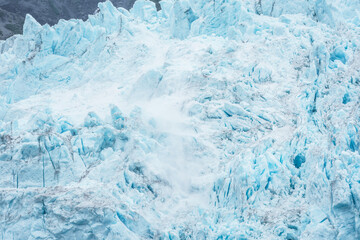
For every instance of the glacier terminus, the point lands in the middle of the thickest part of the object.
(206, 119)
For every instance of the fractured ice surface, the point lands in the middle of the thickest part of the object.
(205, 120)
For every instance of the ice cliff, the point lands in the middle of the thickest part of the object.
(222, 119)
(12, 12)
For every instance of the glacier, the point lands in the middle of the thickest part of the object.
(222, 119)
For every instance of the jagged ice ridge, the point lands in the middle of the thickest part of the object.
(221, 119)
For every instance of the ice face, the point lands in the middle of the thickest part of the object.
(205, 120)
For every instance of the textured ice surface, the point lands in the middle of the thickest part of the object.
(205, 120)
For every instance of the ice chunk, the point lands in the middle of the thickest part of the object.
(145, 10)
(231, 109)
(31, 26)
(181, 19)
(261, 74)
(108, 17)
(338, 54)
(136, 223)
(166, 6)
(92, 120)
(299, 160)
(218, 17)
(118, 119)
(346, 98)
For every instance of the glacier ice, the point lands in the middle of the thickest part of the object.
(221, 119)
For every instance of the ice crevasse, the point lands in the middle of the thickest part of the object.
(221, 119)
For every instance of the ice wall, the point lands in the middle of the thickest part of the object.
(204, 120)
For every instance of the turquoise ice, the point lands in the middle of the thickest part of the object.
(221, 119)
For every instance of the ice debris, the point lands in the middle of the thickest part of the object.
(221, 119)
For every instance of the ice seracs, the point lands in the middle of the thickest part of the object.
(204, 120)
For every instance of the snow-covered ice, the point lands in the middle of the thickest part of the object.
(222, 119)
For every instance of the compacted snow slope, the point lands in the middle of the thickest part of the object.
(231, 119)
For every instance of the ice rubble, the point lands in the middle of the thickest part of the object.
(206, 120)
